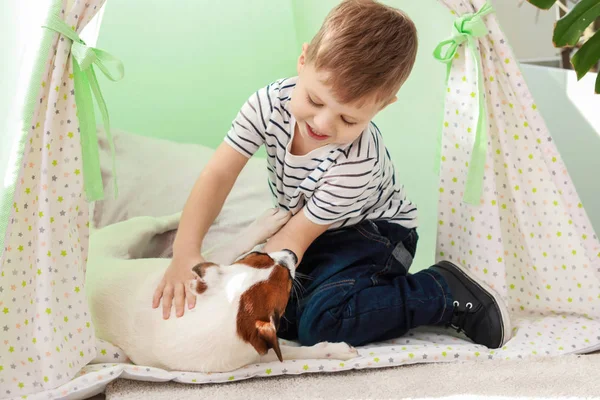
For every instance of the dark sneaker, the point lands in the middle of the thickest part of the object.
(478, 311)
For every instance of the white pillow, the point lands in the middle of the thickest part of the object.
(155, 177)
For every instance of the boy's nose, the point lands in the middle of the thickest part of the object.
(323, 124)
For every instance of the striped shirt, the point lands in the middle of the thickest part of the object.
(335, 184)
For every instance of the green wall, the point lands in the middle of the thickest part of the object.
(190, 64)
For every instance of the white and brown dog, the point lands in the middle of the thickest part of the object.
(237, 312)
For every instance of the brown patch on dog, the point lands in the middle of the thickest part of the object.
(257, 260)
(261, 307)
(200, 270)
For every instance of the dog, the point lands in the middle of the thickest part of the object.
(241, 294)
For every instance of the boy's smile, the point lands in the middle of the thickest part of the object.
(315, 135)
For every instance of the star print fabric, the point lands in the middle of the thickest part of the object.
(529, 238)
(47, 335)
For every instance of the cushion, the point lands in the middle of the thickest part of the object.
(155, 177)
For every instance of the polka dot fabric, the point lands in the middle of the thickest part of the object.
(529, 238)
(46, 330)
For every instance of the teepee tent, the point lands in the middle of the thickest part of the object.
(47, 335)
(507, 208)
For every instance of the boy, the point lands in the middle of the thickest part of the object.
(353, 229)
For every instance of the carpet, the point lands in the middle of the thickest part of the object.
(563, 377)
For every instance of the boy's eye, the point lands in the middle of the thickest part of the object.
(320, 105)
(348, 123)
(312, 102)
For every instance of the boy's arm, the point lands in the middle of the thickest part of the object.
(207, 198)
(296, 235)
(201, 208)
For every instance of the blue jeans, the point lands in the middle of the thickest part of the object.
(356, 288)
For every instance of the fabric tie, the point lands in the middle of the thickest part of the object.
(466, 29)
(86, 84)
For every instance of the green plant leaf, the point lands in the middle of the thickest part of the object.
(568, 29)
(543, 4)
(597, 88)
(587, 56)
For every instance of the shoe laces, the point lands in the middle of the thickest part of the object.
(459, 316)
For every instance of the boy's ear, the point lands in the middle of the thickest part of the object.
(391, 101)
(302, 58)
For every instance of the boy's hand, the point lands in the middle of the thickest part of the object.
(173, 286)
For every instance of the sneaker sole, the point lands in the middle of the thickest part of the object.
(505, 319)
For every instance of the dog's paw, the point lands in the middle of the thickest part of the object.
(268, 223)
(337, 351)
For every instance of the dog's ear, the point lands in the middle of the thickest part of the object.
(267, 332)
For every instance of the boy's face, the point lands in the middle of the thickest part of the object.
(320, 118)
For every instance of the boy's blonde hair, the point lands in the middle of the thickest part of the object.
(367, 48)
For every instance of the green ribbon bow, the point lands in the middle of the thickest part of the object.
(466, 29)
(86, 83)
